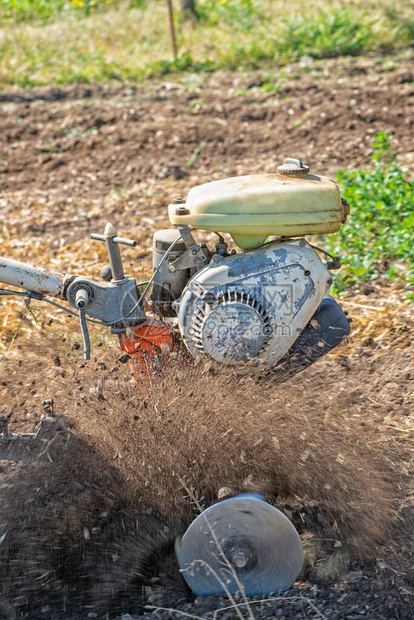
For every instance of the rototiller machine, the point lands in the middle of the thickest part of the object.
(260, 309)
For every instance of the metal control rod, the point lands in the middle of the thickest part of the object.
(31, 278)
(112, 244)
(131, 242)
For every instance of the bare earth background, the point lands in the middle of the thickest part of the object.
(91, 534)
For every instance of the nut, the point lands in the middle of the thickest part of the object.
(182, 211)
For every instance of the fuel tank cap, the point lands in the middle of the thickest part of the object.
(293, 166)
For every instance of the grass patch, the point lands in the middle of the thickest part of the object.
(65, 41)
(31, 10)
(377, 241)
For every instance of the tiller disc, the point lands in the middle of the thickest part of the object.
(242, 544)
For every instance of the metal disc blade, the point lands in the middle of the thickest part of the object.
(242, 543)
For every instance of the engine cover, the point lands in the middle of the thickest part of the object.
(251, 307)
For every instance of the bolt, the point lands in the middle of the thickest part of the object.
(194, 251)
(172, 268)
(346, 209)
(302, 243)
(240, 559)
(178, 200)
(182, 211)
(106, 273)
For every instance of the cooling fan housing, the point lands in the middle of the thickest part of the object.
(251, 307)
(233, 326)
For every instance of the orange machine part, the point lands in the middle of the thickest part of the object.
(147, 344)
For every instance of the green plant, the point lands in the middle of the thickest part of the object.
(66, 41)
(240, 14)
(378, 238)
(34, 312)
(382, 147)
(327, 34)
(28, 10)
(185, 62)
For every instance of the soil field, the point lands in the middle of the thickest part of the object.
(88, 529)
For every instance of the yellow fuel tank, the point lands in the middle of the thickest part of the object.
(251, 208)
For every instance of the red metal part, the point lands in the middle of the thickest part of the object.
(147, 343)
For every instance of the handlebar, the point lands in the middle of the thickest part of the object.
(31, 278)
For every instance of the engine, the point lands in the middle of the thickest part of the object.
(253, 305)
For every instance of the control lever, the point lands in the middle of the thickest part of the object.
(115, 261)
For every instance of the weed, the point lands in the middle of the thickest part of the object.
(28, 10)
(34, 312)
(299, 122)
(196, 153)
(271, 87)
(377, 240)
(195, 105)
(240, 14)
(185, 62)
(327, 35)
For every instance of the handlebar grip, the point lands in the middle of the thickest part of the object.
(131, 242)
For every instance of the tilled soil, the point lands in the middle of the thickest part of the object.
(88, 530)
(91, 139)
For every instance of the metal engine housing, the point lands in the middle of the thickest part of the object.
(251, 307)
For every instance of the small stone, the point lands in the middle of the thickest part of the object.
(123, 359)
(224, 492)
